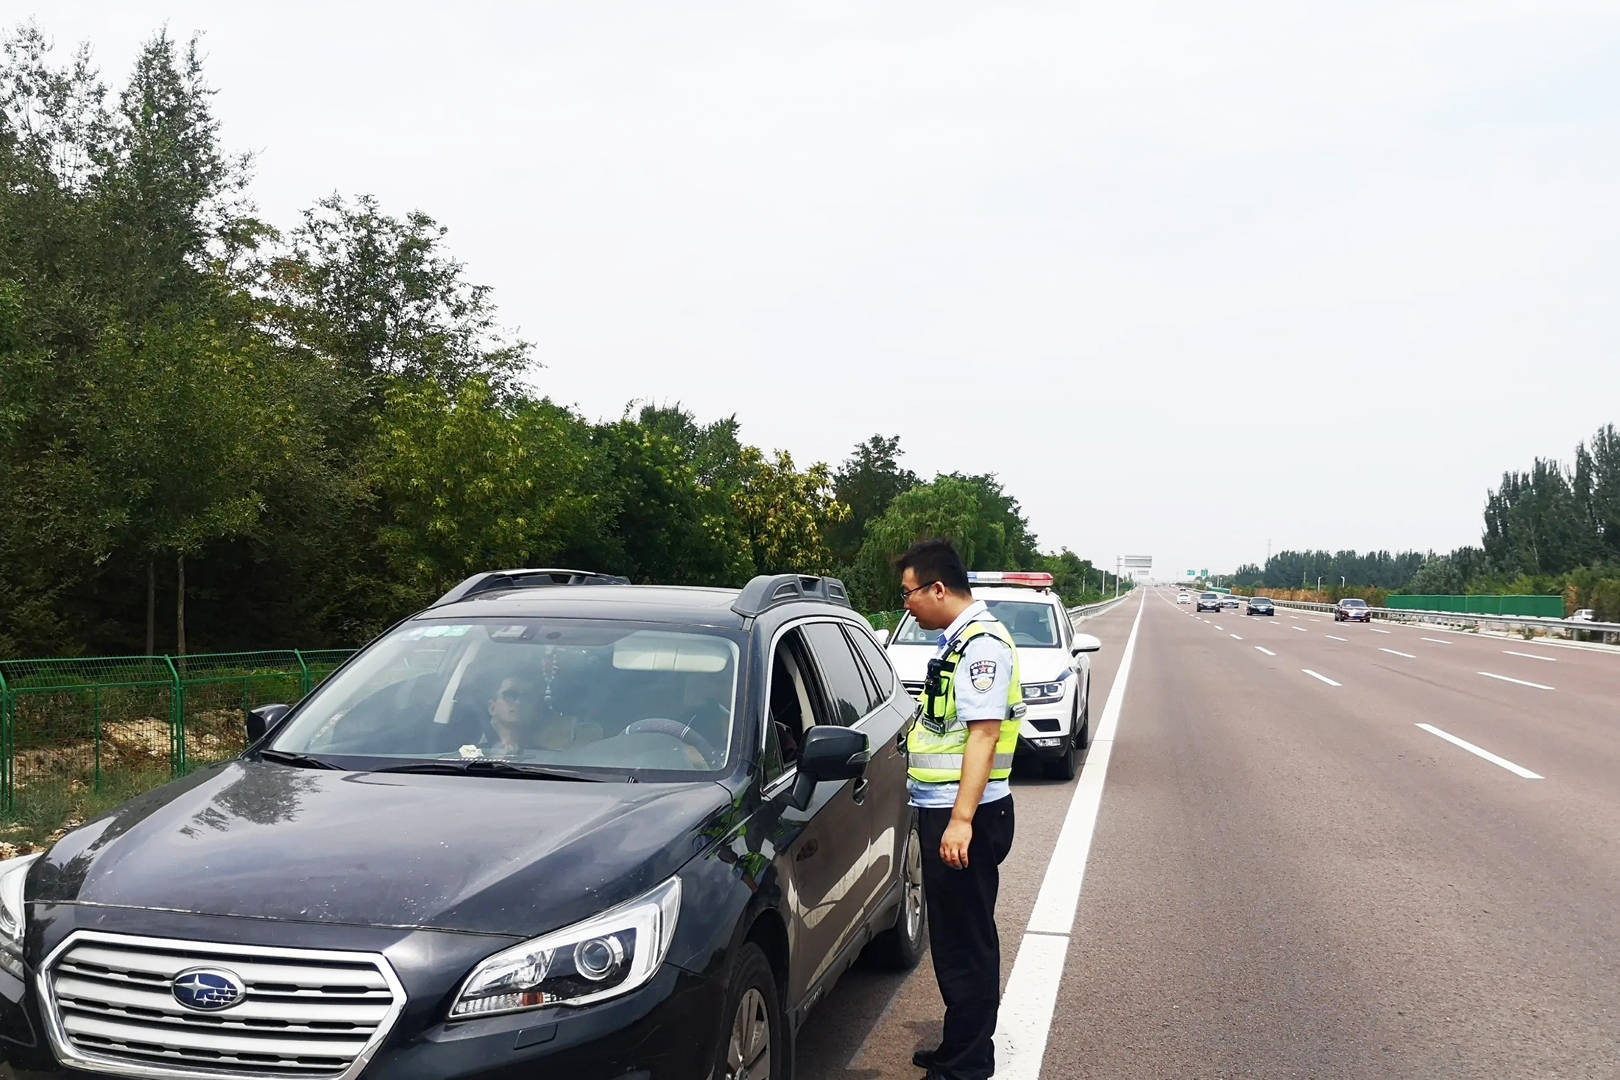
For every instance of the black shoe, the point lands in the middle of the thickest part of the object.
(924, 1059)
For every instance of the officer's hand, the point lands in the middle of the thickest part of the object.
(953, 846)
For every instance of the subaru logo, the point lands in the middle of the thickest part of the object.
(207, 989)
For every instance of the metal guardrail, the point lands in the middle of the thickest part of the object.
(1087, 610)
(1465, 619)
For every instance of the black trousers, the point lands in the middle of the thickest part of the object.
(962, 936)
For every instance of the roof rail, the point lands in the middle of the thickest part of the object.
(768, 590)
(526, 579)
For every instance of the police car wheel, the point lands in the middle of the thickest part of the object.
(1066, 764)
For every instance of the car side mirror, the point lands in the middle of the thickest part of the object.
(264, 718)
(882, 636)
(1084, 643)
(829, 752)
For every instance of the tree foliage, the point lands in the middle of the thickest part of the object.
(308, 434)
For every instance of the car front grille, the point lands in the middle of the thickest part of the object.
(309, 1014)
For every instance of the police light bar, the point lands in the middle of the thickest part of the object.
(1033, 579)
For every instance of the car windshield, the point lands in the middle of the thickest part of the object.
(642, 699)
(1211, 596)
(1031, 623)
(1353, 603)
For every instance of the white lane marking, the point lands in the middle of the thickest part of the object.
(1375, 630)
(1294, 617)
(1314, 675)
(1486, 754)
(1436, 640)
(1335, 637)
(1037, 973)
(1234, 637)
(1530, 656)
(1219, 627)
(1521, 682)
(1301, 629)
(1265, 650)
(1392, 652)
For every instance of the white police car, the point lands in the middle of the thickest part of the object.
(1053, 662)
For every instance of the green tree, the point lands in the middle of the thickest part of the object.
(381, 295)
(783, 514)
(867, 482)
(472, 483)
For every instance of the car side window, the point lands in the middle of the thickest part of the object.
(877, 665)
(789, 713)
(847, 697)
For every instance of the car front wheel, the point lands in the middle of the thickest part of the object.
(753, 1043)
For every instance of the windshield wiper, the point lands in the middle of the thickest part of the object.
(493, 767)
(302, 761)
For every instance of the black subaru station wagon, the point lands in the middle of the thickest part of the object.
(554, 825)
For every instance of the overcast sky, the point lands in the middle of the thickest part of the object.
(1377, 240)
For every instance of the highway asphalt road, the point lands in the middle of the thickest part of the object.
(1308, 850)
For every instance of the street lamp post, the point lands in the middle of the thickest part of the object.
(1318, 584)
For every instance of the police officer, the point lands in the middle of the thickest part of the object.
(960, 750)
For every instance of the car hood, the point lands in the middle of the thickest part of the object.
(468, 853)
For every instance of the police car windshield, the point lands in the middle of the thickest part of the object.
(633, 698)
(1030, 623)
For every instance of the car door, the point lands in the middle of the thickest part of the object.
(827, 855)
(847, 688)
(886, 726)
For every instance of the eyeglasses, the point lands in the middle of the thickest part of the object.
(905, 594)
(513, 697)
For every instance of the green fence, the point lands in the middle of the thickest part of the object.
(1548, 607)
(81, 735)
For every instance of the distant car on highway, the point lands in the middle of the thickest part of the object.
(1183, 598)
(1585, 614)
(1208, 601)
(1230, 602)
(1352, 609)
(1260, 605)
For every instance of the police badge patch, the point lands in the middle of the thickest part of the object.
(982, 674)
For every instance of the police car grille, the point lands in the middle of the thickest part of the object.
(304, 1014)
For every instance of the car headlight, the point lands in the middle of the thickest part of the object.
(602, 957)
(1044, 693)
(13, 913)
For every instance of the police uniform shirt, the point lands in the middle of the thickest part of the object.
(981, 682)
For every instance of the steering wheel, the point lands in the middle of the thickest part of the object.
(663, 725)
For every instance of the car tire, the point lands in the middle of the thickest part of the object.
(901, 947)
(1067, 764)
(755, 1031)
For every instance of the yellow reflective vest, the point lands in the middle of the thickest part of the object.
(937, 739)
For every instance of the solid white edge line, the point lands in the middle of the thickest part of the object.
(1486, 754)
(1027, 1003)
(1324, 678)
(1394, 652)
(1521, 682)
(1530, 656)
(1265, 650)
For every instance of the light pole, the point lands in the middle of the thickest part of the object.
(1318, 584)
(1341, 581)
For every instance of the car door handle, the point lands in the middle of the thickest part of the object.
(858, 792)
(900, 741)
